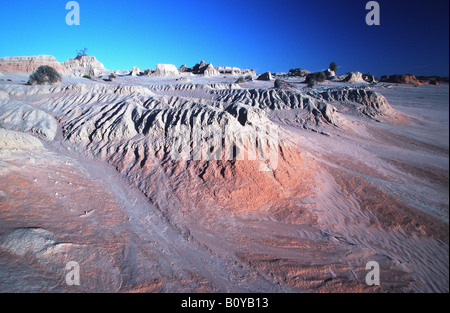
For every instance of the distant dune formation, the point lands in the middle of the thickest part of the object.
(30, 64)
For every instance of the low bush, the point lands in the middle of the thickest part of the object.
(44, 75)
(312, 83)
(298, 72)
(318, 77)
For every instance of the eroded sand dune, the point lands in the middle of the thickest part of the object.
(174, 186)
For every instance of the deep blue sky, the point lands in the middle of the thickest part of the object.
(272, 35)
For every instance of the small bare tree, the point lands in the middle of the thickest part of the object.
(333, 67)
(81, 53)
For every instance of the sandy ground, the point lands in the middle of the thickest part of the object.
(360, 191)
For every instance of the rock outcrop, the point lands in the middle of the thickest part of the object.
(200, 68)
(249, 72)
(230, 70)
(135, 71)
(318, 106)
(315, 109)
(166, 70)
(210, 71)
(184, 69)
(207, 69)
(402, 79)
(121, 73)
(354, 78)
(369, 78)
(30, 64)
(267, 76)
(372, 103)
(85, 65)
